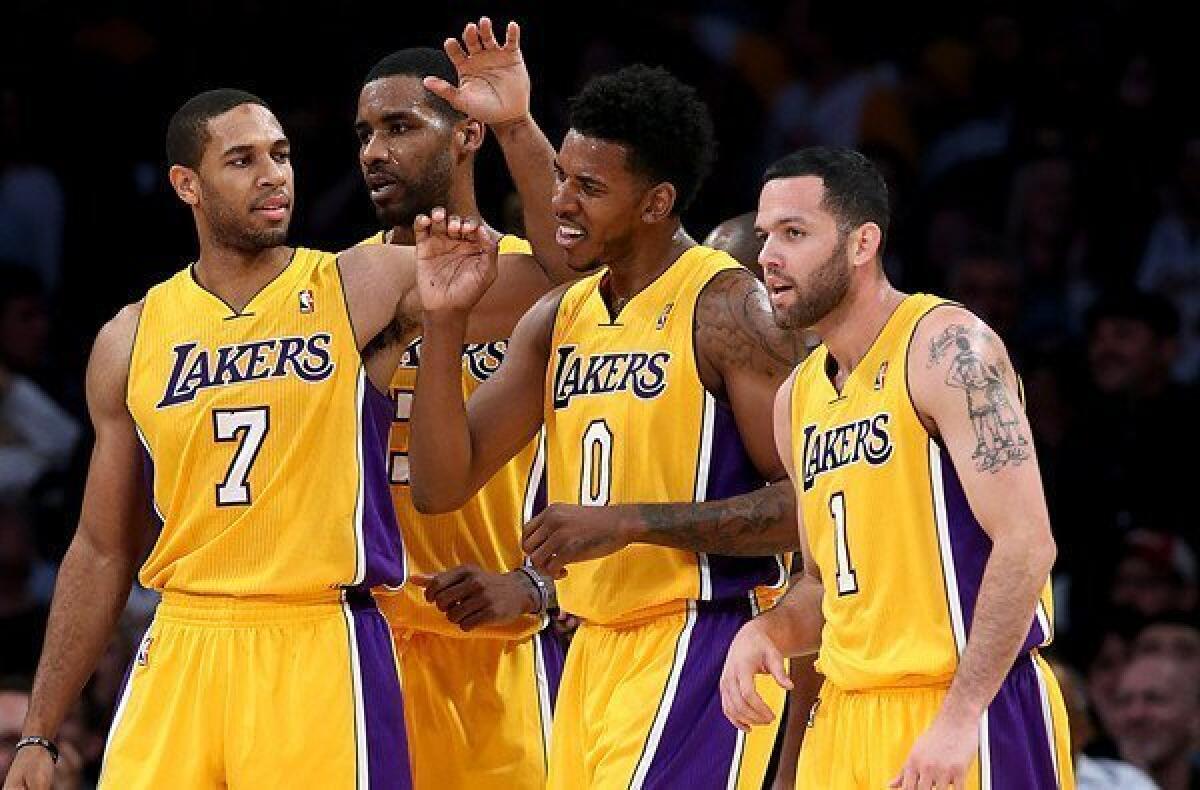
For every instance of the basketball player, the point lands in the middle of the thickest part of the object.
(237, 391)
(480, 669)
(928, 546)
(653, 377)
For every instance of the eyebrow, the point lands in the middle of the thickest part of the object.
(781, 221)
(246, 148)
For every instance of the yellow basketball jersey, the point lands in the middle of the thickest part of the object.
(265, 441)
(486, 531)
(628, 420)
(900, 554)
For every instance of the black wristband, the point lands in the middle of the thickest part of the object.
(37, 740)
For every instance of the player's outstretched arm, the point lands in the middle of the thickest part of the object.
(454, 448)
(966, 392)
(97, 571)
(493, 87)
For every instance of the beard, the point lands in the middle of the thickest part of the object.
(232, 229)
(419, 197)
(820, 293)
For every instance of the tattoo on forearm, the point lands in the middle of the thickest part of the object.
(760, 523)
(979, 372)
(733, 321)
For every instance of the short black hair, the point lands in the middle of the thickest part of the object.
(663, 123)
(855, 191)
(419, 62)
(187, 132)
(1154, 310)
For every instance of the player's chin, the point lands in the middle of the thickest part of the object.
(582, 259)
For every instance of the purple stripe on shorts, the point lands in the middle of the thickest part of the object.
(971, 548)
(553, 657)
(383, 706)
(384, 548)
(732, 473)
(698, 744)
(1017, 737)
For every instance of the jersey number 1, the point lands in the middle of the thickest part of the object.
(248, 427)
(847, 578)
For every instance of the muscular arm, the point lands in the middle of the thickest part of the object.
(454, 448)
(977, 416)
(530, 159)
(98, 569)
(743, 357)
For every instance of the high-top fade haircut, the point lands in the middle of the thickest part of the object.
(187, 132)
(660, 120)
(420, 62)
(855, 192)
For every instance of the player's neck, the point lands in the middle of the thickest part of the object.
(235, 276)
(852, 327)
(647, 259)
(460, 202)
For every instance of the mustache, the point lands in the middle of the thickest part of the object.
(273, 194)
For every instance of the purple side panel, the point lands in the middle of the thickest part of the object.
(971, 548)
(383, 706)
(1017, 737)
(698, 744)
(731, 473)
(381, 532)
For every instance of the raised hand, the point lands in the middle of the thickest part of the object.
(456, 261)
(493, 83)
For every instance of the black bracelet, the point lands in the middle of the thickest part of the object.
(539, 587)
(37, 740)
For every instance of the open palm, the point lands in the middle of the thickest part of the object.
(493, 83)
(456, 261)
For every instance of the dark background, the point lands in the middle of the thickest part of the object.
(1044, 160)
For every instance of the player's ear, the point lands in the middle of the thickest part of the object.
(469, 135)
(659, 202)
(865, 243)
(185, 183)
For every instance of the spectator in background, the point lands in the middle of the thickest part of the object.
(1114, 471)
(1093, 773)
(22, 618)
(1044, 225)
(1171, 262)
(31, 199)
(1175, 636)
(1155, 576)
(1158, 720)
(36, 434)
(987, 283)
(24, 320)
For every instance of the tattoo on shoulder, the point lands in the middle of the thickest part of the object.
(999, 441)
(733, 318)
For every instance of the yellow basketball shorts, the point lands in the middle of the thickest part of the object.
(861, 739)
(640, 707)
(478, 710)
(235, 693)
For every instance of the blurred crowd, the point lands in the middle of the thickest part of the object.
(1044, 162)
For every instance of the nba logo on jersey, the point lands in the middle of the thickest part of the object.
(143, 653)
(881, 376)
(307, 304)
(662, 319)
